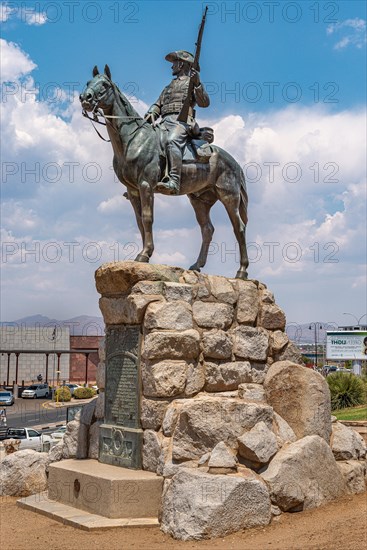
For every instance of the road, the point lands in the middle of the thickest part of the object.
(29, 412)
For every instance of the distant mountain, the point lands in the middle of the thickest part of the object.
(82, 325)
(303, 334)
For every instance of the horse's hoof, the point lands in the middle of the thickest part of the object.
(194, 268)
(142, 258)
(241, 274)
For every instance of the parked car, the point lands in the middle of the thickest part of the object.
(29, 438)
(59, 434)
(73, 387)
(328, 369)
(36, 390)
(6, 397)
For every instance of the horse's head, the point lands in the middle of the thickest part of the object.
(98, 92)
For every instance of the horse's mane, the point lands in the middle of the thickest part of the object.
(130, 111)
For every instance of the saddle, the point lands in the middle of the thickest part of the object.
(197, 148)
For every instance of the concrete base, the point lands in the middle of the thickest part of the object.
(105, 490)
(75, 518)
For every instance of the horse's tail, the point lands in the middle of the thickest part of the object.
(243, 199)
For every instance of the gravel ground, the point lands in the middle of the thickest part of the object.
(340, 525)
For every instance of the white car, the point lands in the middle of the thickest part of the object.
(36, 390)
(29, 438)
(73, 387)
(59, 434)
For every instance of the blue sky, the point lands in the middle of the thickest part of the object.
(287, 83)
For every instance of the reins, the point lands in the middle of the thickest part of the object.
(98, 112)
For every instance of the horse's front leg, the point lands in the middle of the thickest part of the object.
(147, 203)
(134, 198)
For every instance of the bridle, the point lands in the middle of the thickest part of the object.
(97, 112)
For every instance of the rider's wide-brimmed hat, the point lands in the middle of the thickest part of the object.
(181, 55)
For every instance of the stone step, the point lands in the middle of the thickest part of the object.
(68, 515)
(105, 490)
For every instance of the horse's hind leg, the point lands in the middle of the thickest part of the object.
(202, 208)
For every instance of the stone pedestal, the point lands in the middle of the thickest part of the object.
(209, 393)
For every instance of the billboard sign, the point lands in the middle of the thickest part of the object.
(345, 345)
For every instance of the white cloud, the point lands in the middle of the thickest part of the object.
(28, 15)
(14, 62)
(61, 208)
(355, 29)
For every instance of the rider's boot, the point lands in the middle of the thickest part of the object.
(171, 185)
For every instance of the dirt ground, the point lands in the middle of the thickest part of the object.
(340, 525)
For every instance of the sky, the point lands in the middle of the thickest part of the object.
(287, 84)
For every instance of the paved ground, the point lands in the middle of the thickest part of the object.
(340, 525)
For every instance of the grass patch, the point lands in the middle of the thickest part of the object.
(351, 413)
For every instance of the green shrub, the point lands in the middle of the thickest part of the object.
(62, 394)
(83, 393)
(347, 390)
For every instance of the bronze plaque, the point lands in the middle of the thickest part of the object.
(123, 376)
(121, 437)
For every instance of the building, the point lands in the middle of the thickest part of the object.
(27, 352)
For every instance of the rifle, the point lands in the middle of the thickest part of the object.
(182, 117)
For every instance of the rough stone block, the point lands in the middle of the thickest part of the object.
(248, 303)
(23, 473)
(126, 310)
(222, 290)
(250, 343)
(278, 340)
(227, 376)
(304, 475)
(164, 379)
(353, 472)
(195, 379)
(151, 450)
(205, 421)
(346, 443)
(172, 345)
(178, 291)
(301, 396)
(222, 458)
(271, 317)
(258, 445)
(173, 315)
(119, 277)
(198, 505)
(212, 315)
(217, 344)
(152, 413)
(251, 392)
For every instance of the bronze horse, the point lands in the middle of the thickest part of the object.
(137, 162)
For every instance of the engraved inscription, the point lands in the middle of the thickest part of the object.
(123, 376)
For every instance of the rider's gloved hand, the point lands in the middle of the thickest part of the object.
(150, 117)
(195, 75)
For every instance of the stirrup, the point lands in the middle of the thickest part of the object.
(167, 186)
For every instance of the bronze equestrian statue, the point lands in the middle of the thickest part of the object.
(139, 163)
(174, 156)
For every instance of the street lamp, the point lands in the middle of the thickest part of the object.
(317, 327)
(356, 318)
(53, 338)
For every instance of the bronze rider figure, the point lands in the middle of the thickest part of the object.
(168, 106)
